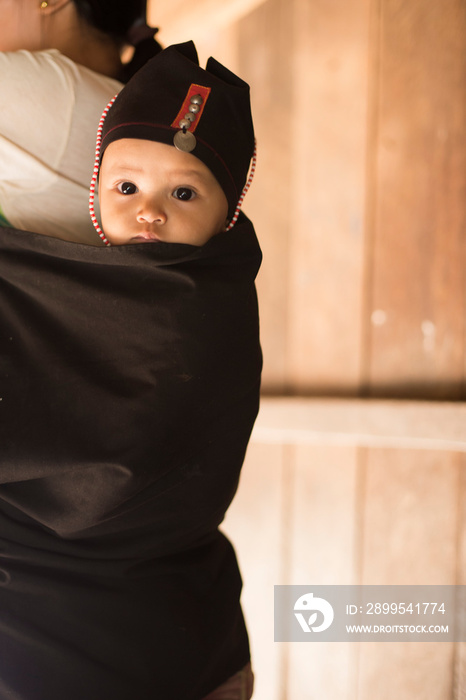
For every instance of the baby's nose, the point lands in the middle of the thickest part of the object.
(152, 212)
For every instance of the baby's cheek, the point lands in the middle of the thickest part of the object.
(112, 212)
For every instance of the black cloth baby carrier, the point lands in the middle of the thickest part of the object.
(129, 385)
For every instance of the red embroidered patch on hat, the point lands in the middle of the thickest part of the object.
(191, 110)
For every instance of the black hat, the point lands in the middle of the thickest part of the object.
(204, 112)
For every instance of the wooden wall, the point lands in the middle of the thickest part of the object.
(359, 202)
(360, 194)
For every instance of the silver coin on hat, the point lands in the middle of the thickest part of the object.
(184, 141)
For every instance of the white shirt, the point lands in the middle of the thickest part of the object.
(50, 109)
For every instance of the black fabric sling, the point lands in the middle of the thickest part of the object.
(129, 385)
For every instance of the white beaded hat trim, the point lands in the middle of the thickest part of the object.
(245, 188)
(96, 172)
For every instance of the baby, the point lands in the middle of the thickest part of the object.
(173, 152)
(173, 155)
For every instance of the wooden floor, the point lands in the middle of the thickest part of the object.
(367, 492)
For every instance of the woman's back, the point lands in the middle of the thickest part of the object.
(60, 64)
(47, 134)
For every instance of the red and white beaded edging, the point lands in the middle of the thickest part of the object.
(96, 172)
(245, 188)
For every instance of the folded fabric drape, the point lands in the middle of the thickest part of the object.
(129, 385)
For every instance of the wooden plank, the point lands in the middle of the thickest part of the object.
(378, 423)
(410, 537)
(408, 504)
(405, 671)
(411, 517)
(323, 541)
(459, 688)
(322, 536)
(417, 302)
(255, 524)
(264, 41)
(330, 81)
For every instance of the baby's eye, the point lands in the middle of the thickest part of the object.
(127, 188)
(185, 194)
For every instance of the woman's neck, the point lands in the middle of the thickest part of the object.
(80, 42)
(96, 56)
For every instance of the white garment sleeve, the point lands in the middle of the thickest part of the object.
(37, 103)
(50, 109)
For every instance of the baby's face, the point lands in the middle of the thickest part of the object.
(149, 191)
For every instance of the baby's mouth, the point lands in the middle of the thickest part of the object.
(146, 236)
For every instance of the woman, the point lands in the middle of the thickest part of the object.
(129, 383)
(60, 64)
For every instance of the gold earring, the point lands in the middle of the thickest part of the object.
(43, 5)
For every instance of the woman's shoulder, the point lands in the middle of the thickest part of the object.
(47, 100)
(41, 69)
(50, 111)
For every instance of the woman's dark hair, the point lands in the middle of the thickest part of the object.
(119, 19)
